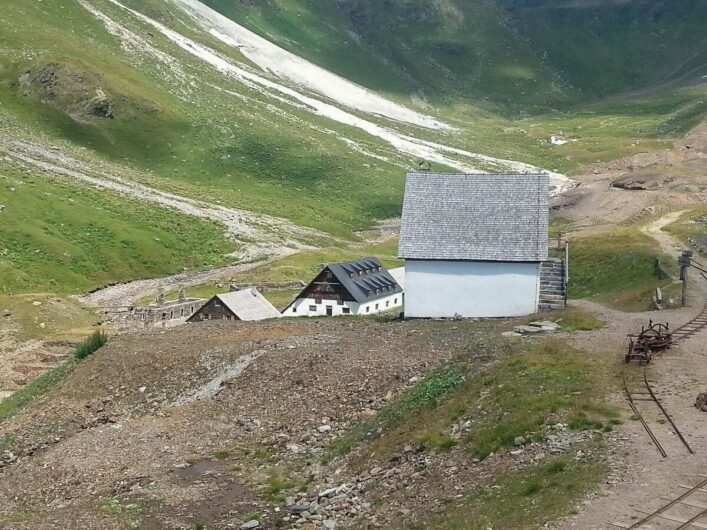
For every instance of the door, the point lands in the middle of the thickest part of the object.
(329, 310)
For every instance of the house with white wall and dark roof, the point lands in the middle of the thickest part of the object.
(473, 244)
(361, 287)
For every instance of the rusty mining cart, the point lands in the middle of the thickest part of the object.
(655, 337)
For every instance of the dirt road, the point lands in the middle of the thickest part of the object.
(641, 479)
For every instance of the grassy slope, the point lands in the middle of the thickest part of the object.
(477, 69)
(531, 388)
(64, 238)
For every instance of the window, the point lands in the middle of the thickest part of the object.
(312, 308)
(340, 302)
(387, 303)
(376, 306)
(395, 301)
(368, 308)
(294, 309)
(346, 311)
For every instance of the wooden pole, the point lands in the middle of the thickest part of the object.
(684, 261)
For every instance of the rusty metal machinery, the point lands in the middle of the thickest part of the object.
(655, 337)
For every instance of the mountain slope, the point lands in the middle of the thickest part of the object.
(172, 96)
(512, 52)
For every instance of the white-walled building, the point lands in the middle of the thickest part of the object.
(362, 287)
(473, 244)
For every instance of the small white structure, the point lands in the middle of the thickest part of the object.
(247, 305)
(473, 244)
(361, 287)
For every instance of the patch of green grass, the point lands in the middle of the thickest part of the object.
(531, 387)
(20, 399)
(221, 454)
(423, 396)
(618, 268)
(576, 320)
(435, 441)
(524, 499)
(275, 485)
(63, 238)
(91, 344)
(689, 225)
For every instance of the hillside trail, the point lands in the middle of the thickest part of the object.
(668, 244)
(640, 479)
(259, 237)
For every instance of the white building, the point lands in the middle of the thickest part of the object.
(361, 287)
(473, 244)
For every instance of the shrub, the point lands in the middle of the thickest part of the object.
(91, 344)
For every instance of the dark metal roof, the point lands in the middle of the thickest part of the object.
(485, 217)
(366, 279)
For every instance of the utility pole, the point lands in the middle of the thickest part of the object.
(684, 260)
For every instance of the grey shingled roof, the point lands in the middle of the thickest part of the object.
(485, 217)
(366, 279)
(248, 304)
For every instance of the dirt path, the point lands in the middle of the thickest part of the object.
(128, 294)
(668, 244)
(641, 480)
(257, 234)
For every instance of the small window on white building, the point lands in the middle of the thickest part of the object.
(387, 303)
(346, 311)
(294, 309)
(395, 301)
(376, 306)
(312, 308)
(368, 308)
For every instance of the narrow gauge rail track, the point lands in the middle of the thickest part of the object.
(692, 327)
(685, 502)
(649, 395)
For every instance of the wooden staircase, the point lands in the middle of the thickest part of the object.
(553, 285)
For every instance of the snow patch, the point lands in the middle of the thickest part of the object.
(557, 139)
(284, 64)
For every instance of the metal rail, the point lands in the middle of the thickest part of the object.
(643, 421)
(665, 413)
(672, 503)
(691, 520)
(692, 327)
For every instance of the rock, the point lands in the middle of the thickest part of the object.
(701, 402)
(545, 325)
(520, 440)
(36, 303)
(250, 525)
(297, 509)
(510, 334)
(527, 330)
(324, 428)
(7, 313)
(289, 501)
(376, 470)
(329, 524)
